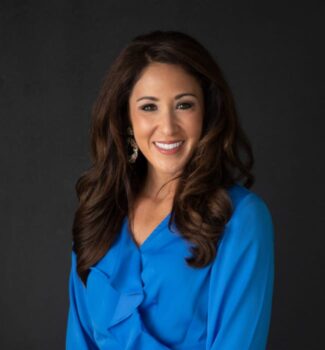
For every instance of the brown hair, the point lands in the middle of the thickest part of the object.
(107, 190)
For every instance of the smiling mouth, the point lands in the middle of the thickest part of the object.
(169, 148)
(168, 145)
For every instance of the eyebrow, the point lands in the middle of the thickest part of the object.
(157, 99)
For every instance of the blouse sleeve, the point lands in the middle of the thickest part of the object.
(241, 288)
(79, 331)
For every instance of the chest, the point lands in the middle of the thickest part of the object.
(146, 218)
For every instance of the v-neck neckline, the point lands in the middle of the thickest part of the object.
(151, 235)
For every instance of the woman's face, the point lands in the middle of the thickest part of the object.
(166, 108)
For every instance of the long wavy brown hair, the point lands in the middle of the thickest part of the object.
(107, 190)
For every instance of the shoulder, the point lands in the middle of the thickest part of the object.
(251, 219)
(245, 200)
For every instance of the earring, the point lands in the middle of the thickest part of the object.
(133, 145)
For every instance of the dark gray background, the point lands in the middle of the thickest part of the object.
(53, 56)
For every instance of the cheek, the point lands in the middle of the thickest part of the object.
(194, 126)
(142, 128)
(140, 124)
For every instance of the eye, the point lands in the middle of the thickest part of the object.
(148, 107)
(185, 105)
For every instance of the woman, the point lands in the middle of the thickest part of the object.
(170, 251)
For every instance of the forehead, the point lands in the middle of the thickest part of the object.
(164, 78)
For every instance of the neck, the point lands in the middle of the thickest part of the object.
(154, 181)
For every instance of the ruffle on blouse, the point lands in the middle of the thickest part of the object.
(114, 287)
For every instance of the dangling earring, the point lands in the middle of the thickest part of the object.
(133, 144)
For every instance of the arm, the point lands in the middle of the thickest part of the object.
(79, 331)
(240, 295)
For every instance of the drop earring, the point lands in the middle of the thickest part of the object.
(131, 142)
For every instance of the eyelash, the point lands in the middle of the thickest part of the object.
(151, 104)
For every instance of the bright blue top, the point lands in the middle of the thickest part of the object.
(148, 298)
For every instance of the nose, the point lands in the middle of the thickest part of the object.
(169, 123)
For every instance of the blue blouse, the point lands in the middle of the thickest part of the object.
(148, 298)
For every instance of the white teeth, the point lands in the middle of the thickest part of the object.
(168, 146)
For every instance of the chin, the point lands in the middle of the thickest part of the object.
(170, 170)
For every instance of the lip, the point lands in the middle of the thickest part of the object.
(169, 142)
(170, 151)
